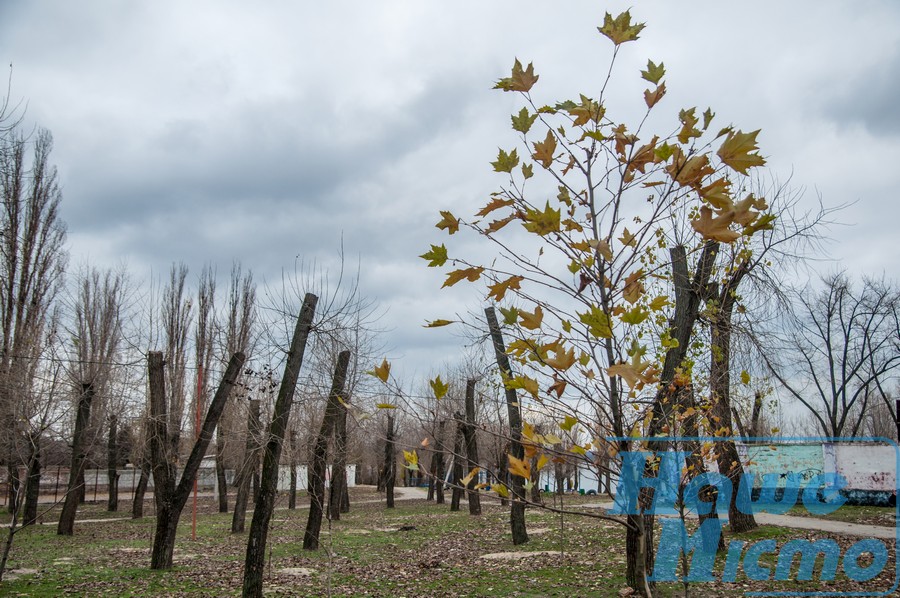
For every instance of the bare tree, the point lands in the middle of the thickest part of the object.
(96, 337)
(241, 317)
(842, 347)
(32, 263)
(176, 320)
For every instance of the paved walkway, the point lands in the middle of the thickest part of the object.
(843, 528)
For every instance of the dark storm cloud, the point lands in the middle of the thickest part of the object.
(871, 97)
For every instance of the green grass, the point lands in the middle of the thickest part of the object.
(363, 553)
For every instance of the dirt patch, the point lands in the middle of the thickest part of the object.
(297, 571)
(17, 573)
(512, 556)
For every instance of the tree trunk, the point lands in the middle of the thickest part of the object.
(12, 486)
(458, 472)
(112, 460)
(517, 483)
(389, 474)
(33, 481)
(689, 295)
(79, 445)
(248, 468)
(727, 457)
(171, 498)
(339, 467)
(221, 479)
(137, 502)
(281, 417)
(292, 492)
(471, 441)
(439, 465)
(320, 453)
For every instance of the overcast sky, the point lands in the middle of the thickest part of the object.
(213, 131)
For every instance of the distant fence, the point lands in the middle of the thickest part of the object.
(96, 482)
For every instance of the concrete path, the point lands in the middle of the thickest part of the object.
(843, 528)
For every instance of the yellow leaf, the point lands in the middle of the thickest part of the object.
(739, 151)
(659, 302)
(627, 238)
(597, 322)
(602, 247)
(495, 204)
(527, 431)
(498, 290)
(578, 450)
(449, 222)
(385, 406)
(620, 29)
(496, 225)
(438, 387)
(542, 461)
(470, 274)
(436, 257)
(543, 150)
(381, 371)
(558, 387)
(568, 423)
(412, 460)
(716, 228)
(542, 222)
(519, 467)
(520, 80)
(506, 161)
(745, 377)
(531, 320)
(654, 72)
(439, 323)
(526, 383)
(501, 490)
(471, 476)
(563, 359)
(634, 287)
(652, 97)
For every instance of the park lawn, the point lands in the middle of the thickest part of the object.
(365, 553)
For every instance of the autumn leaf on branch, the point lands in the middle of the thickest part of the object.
(543, 150)
(651, 98)
(739, 151)
(471, 476)
(498, 290)
(506, 161)
(542, 222)
(654, 72)
(523, 121)
(412, 460)
(449, 222)
(532, 320)
(437, 256)
(438, 323)
(438, 387)
(519, 467)
(620, 29)
(520, 80)
(716, 229)
(495, 204)
(470, 274)
(382, 372)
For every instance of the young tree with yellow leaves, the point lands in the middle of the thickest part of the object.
(605, 239)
